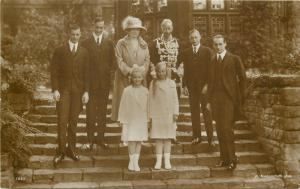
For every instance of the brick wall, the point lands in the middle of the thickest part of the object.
(273, 110)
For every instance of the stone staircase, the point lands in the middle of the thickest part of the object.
(193, 166)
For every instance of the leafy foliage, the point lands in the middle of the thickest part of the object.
(264, 45)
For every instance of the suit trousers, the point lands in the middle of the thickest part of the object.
(68, 109)
(223, 114)
(96, 115)
(196, 98)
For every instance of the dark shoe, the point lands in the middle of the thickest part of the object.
(89, 146)
(72, 155)
(211, 144)
(196, 140)
(57, 159)
(174, 141)
(221, 164)
(103, 145)
(231, 166)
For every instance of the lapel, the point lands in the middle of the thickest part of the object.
(67, 52)
(225, 62)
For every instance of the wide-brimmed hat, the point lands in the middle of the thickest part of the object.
(131, 22)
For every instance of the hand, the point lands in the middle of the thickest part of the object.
(185, 91)
(149, 124)
(56, 95)
(85, 97)
(204, 89)
(208, 106)
(175, 117)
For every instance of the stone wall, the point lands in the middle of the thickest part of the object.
(273, 110)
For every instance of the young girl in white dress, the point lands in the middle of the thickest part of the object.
(133, 116)
(163, 112)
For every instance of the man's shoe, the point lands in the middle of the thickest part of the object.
(89, 146)
(72, 155)
(57, 159)
(196, 140)
(221, 164)
(103, 145)
(231, 166)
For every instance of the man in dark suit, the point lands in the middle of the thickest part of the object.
(226, 91)
(70, 86)
(197, 60)
(101, 53)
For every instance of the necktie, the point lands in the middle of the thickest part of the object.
(74, 49)
(98, 40)
(195, 49)
(219, 58)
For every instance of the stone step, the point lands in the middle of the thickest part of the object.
(270, 182)
(51, 109)
(46, 98)
(98, 173)
(148, 160)
(111, 138)
(183, 117)
(115, 128)
(147, 148)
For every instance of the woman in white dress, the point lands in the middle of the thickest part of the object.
(133, 117)
(163, 112)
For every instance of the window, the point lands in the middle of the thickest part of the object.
(212, 17)
(199, 4)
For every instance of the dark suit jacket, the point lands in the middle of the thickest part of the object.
(68, 71)
(196, 67)
(101, 62)
(234, 80)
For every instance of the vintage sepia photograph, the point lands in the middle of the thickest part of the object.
(143, 94)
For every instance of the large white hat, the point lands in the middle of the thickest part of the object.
(131, 22)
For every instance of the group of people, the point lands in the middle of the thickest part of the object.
(147, 88)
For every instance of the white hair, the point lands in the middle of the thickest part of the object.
(165, 22)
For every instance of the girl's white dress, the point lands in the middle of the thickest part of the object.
(133, 114)
(163, 104)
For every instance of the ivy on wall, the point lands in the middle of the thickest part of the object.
(266, 41)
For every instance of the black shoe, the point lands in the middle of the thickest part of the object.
(72, 155)
(174, 141)
(221, 164)
(57, 159)
(231, 166)
(89, 146)
(196, 140)
(103, 145)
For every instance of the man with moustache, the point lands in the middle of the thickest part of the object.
(226, 92)
(70, 86)
(197, 60)
(101, 53)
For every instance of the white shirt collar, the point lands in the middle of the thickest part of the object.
(197, 47)
(96, 37)
(222, 54)
(71, 45)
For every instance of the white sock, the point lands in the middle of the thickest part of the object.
(158, 161)
(167, 161)
(136, 162)
(130, 164)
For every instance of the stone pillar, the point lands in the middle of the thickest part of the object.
(273, 110)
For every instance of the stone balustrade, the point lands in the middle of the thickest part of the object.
(273, 110)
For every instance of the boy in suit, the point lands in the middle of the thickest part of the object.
(101, 53)
(226, 93)
(70, 86)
